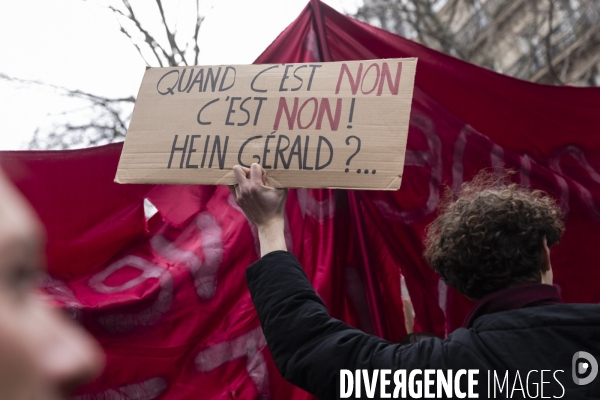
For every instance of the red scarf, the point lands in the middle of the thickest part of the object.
(521, 296)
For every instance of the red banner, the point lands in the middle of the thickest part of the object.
(167, 298)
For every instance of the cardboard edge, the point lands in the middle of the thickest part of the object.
(394, 185)
(117, 179)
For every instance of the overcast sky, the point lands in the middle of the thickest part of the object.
(77, 44)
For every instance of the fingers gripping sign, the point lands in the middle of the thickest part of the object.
(263, 205)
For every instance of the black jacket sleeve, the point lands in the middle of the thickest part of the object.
(308, 346)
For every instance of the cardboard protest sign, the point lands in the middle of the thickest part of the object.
(317, 125)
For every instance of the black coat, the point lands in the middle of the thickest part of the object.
(309, 347)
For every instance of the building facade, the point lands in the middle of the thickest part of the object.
(545, 41)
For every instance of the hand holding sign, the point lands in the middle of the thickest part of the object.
(263, 205)
(192, 124)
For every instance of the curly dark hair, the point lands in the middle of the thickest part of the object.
(490, 237)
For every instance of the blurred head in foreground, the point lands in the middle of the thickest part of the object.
(495, 235)
(43, 355)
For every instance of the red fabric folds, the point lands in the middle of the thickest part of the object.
(166, 297)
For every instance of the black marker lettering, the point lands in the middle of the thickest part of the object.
(221, 157)
(257, 75)
(297, 77)
(260, 101)
(264, 160)
(285, 76)
(168, 90)
(306, 154)
(192, 150)
(181, 80)
(202, 109)
(242, 150)
(213, 79)
(198, 79)
(223, 79)
(321, 140)
(174, 149)
(279, 152)
(231, 110)
(205, 150)
(296, 151)
(312, 74)
(246, 111)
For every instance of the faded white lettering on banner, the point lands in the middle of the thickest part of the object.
(497, 159)
(204, 268)
(125, 322)
(248, 345)
(584, 194)
(525, 170)
(496, 155)
(428, 159)
(57, 290)
(148, 268)
(320, 210)
(205, 275)
(147, 390)
(169, 250)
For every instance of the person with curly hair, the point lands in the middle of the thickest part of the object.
(492, 243)
(495, 235)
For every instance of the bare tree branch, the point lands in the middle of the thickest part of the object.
(547, 40)
(68, 92)
(170, 36)
(109, 123)
(149, 39)
(124, 32)
(104, 119)
(199, 20)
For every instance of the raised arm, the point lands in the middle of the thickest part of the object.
(308, 345)
(263, 205)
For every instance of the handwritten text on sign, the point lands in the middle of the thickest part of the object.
(341, 124)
